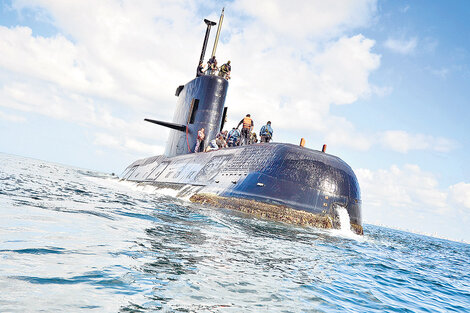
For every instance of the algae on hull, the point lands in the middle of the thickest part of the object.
(275, 212)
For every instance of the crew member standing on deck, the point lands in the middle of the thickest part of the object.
(200, 138)
(266, 132)
(233, 137)
(246, 130)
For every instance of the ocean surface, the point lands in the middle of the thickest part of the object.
(73, 240)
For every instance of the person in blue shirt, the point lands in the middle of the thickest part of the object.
(266, 132)
(233, 137)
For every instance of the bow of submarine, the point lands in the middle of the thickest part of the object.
(300, 178)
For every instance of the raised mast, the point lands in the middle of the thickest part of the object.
(204, 45)
(218, 33)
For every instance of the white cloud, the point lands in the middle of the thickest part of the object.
(343, 133)
(402, 46)
(126, 144)
(36, 96)
(12, 117)
(301, 19)
(344, 69)
(460, 194)
(106, 140)
(406, 187)
(442, 73)
(409, 198)
(73, 68)
(293, 90)
(401, 141)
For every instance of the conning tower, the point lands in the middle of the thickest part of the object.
(200, 105)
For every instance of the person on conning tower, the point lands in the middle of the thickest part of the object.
(200, 69)
(225, 70)
(212, 66)
(246, 129)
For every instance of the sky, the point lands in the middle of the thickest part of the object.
(385, 84)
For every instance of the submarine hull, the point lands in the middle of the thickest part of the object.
(273, 180)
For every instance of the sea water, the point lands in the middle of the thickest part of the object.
(73, 240)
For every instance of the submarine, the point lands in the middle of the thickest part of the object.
(278, 181)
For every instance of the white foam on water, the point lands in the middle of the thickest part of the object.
(154, 190)
(163, 191)
(189, 192)
(150, 189)
(112, 182)
(170, 192)
(133, 186)
(344, 219)
(345, 225)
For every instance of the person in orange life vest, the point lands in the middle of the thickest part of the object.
(246, 130)
(200, 138)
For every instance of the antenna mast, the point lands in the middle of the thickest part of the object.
(218, 32)
(204, 45)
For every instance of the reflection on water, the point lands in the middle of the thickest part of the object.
(74, 240)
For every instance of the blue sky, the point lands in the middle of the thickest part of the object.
(383, 83)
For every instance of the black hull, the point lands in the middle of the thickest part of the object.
(276, 174)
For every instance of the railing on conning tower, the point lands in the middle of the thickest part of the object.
(217, 72)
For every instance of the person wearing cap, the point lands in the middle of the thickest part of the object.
(266, 132)
(246, 130)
